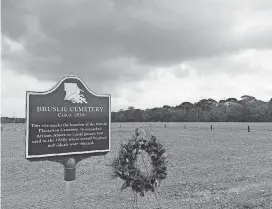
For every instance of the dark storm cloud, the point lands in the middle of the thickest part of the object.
(13, 18)
(113, 41)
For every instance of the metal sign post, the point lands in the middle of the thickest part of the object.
(69, 177)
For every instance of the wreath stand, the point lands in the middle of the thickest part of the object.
(125, 165)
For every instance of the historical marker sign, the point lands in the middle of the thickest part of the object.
(68, 119)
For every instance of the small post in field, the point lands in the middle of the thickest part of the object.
(211, 127)
(248, 128)
(165, 126)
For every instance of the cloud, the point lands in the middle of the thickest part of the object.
(14, 18)
(167, 89)
(250, 61)
(13, 91)
(85, 37)
(138, 50)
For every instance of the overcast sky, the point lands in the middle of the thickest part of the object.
(144, 53)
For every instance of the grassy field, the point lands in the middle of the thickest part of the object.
(227, 167)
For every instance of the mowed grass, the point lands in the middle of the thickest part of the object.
(227, 167)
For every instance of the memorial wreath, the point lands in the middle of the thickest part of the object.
(125, 165)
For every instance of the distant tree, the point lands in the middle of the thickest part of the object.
(120, 116)
(152, 115)
(187, 104)
(131, 108)
(247, 97)
(138, 115)
(212, 101)
(204, 104)
(233, 100)
(177, 115)
(203, 109)
(269, 118)
(113, 117)
(234, 112)
(192, 115)
(186, 107)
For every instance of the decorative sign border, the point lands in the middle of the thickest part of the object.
(28, 93)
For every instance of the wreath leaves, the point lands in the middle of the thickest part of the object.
(124, 165)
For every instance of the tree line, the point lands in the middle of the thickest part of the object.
(12, 120)
(246, 109)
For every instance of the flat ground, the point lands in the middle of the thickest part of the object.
(226, 167)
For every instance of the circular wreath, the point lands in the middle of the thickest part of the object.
(125, 167)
